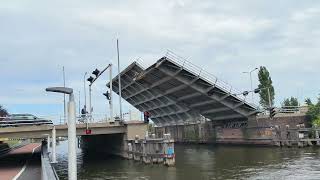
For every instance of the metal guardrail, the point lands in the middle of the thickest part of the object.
(207, 76)
(293, 109)
(13, 122)
(199, 71)
(94, 118)
(47, 170)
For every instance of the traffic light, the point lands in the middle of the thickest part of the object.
(90, 79)
(256, 90)
(146, 117)
(273, 112)
(245, 93)
(107, 95)
(88, 131)
(96, 72)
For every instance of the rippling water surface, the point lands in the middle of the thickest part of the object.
(195, 162)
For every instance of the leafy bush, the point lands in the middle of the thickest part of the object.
(316, 122)
(314, 113)
(3, 112)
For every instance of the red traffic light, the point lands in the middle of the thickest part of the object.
(88, 131)
(96, 72)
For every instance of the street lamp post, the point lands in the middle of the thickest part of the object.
(72, 143)
(250, 73)
(119, 80)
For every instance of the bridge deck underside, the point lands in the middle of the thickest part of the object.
(175, 95)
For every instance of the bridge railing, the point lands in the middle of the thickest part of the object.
(57, 119)
(199, 71)
(207, 76)
(47, 169)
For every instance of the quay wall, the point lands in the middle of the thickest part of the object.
(257, 130)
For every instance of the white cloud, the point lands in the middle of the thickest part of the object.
(37, 39)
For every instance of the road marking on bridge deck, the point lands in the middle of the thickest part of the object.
(25, 166)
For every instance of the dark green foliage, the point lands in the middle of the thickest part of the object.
(151, 128)
(290, 102)
(314, 113)
(265, 82)
(308, 101)
(3, 112)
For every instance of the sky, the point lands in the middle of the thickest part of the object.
(226, 38)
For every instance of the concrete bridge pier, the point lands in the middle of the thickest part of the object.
(53, 156)
(48, 144)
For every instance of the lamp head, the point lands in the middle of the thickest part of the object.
(64, 90)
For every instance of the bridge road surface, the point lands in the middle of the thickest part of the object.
(23, 163)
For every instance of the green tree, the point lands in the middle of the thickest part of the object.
(313, 113)
(3, 112)
(308, 101)
(265, 83)
(290, 102)
(286, 102)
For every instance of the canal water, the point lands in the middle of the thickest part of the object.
(197, 162)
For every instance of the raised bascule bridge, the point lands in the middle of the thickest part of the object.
(175, 92)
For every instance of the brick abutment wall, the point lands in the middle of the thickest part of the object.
(257, 131)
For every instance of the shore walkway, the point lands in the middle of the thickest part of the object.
(23, 163)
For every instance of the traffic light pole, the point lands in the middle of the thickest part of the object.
(97, 73)
(119, 80)
(110, 101)
(271, 109)
(90, 105)
(269, 97)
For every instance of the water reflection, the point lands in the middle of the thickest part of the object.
(195, 162)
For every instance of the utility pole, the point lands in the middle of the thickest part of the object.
(90, 108)
(79, 105)
(110, 101)
(64, 96)
(269, 97)
(84, 90)
(119, 79)
(91, 79)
